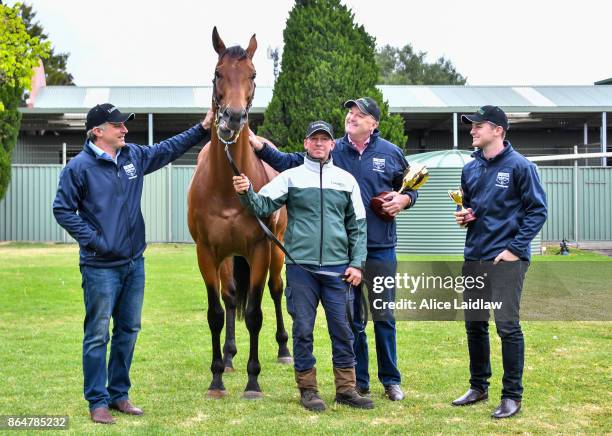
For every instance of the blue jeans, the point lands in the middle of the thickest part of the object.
(384, 334)
(116, 292)
(304, 291)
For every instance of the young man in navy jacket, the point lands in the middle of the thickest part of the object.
(98, 203)
(505, 209)
(378, 166)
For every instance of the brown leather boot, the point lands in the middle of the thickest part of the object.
(307, 384)
(101, 415)
(346, 392)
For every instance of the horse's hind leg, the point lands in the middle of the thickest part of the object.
(275, 284)
(259, 261)
(215, 319)
(228, 293)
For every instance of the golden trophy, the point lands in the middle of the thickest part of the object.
(416, 176)
(457, 197)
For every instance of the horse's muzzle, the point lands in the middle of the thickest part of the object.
(230, 122)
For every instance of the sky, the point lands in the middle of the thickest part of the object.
(152, 42)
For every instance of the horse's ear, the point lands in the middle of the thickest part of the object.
(252, 46)
(218, 43)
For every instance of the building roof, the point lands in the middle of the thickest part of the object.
(402, 99)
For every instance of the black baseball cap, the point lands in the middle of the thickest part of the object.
(366, 105)
(320, 126)
(105, 113)
(491, 114)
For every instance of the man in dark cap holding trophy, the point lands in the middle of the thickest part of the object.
(379, 167)
(503, 205)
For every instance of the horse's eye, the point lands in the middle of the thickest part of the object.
(217, 75)
(253, 76)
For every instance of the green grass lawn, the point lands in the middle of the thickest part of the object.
(567, 379)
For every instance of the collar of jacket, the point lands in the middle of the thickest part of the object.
(480, 156)
(371, 143)
(93, 154)
(315, 165)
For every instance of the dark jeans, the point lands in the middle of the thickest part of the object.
(116, 292)
(304, 291)
(384, 331)
(504, 283)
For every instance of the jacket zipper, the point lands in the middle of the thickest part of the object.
(125, 212)
(482, 178)
(321, 190)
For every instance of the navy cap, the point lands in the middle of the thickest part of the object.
(366, 105)
(105, 113)
(320, 126)
(490, 114)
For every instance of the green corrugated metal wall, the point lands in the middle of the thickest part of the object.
(559, 186)
(25, 211)
(155, 205)
(594, 203)
(595, 207)
(26, 215)
(429, 226)
(181, 176)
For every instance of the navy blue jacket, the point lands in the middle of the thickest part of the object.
(380, 168)
(508, 201)
(109, 226)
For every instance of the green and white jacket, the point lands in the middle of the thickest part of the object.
(326, 218)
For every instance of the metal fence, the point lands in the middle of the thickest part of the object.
(579, 200)
(579, 203)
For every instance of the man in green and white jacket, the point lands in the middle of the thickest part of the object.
(326, 231)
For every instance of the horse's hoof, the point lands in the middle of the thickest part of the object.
(216, 394)
(229, 369)
(287, 360)
(252, 395)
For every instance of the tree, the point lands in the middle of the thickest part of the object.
(327, 59)
(403, 66)
(55, 64)
(19, 54)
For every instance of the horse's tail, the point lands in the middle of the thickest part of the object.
(242, 273)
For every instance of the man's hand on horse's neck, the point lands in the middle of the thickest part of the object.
(254, 141)
(208, 119)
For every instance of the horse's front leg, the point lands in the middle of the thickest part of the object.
(228, 293)
(275, 285)
(215, 319)
(259, 261)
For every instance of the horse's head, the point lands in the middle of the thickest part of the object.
(233, 87)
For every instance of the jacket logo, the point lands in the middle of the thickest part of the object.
(502, 180)
(378, 164)
(130, 170)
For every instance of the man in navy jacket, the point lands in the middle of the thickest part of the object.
(378, 166)
(505, 209)
(98, 203)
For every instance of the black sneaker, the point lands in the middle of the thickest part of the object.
(353, 399)
(310, 400)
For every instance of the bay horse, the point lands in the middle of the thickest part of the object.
(234, 255)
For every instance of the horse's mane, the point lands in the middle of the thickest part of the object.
(234, 52)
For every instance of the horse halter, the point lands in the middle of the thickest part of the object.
(220, 109)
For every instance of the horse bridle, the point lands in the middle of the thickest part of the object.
(219, 109)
